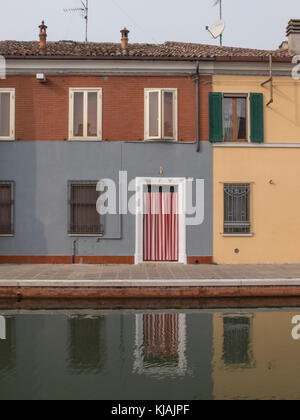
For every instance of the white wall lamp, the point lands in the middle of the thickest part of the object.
(41, 77)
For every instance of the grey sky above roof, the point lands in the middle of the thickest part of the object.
(249, 23)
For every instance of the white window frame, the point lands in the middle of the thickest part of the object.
(85, 92)
(12, 114)
(161, 93)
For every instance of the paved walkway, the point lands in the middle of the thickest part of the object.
(148, 272)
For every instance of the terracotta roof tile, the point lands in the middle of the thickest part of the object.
(167, 50)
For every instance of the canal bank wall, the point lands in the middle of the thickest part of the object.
(148, 289)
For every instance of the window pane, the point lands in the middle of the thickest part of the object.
(241, 118)
(168, 115)
(92, 128)
(84, 216)
(228, 118)
(78, 114)
(4, 114)
(153, 114)
(5, 210)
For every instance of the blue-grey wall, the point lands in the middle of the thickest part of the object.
(41, 172)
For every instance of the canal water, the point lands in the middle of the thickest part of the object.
(156, 354)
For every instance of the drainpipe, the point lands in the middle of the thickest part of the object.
(197, 92)
(74, 251)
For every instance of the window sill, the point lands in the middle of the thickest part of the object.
(85, 140)
(9, 235)
(237, 235)
(237, 144)
(74, 235)
(160, 140)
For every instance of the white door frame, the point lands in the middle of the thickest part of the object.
(180, 183)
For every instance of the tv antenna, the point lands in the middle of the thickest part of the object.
(84, 10)
(217, 29)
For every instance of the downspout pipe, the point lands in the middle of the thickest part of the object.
(197, 92)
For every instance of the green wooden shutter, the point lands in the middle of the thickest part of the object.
(215, 117)
(257, 117)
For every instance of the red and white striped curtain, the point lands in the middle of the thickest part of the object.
(161, 226)
(161, 336)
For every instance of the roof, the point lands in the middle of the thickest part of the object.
(168, 50)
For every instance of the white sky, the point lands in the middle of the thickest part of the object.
(250, 23)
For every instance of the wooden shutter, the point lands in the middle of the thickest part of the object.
(215, 117)
(257, 117)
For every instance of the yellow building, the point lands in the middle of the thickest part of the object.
(254, 356)
(255, 130)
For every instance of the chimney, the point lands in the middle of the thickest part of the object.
(293, 34)
(124, 40)
(43, 38)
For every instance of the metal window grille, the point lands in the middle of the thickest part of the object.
(6, 208)
(237, 208)
(84, 218)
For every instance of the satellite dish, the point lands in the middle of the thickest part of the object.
(217, 28)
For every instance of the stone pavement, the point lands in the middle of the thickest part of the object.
(148, 272)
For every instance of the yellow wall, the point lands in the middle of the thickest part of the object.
(282, 118)
(275, 209)
(274, 371)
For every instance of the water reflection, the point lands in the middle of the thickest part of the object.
(237, 340)
(86, 343)
(7, 346)
(179, 355)
(160, 344)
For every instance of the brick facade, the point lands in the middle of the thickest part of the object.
(42, 109)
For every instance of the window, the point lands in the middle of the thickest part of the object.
(85, 114)
(235, 118)
(84, 218)
(161, 114)
(237, 209)
(7, 114)
(6, 208)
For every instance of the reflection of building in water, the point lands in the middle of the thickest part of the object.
(2, 328)
(255, 356)
(8, 345)
(160, 344)
(237, 340)
(86, 343)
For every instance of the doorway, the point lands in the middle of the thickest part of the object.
(160, 220)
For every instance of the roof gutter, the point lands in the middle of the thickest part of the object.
(121, 58)
(137, 58)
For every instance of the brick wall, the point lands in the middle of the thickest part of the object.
(42, 108)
